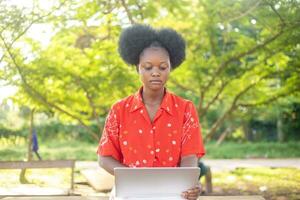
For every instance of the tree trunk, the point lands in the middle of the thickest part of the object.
(22, 177)
(218, 123)
(247, 131)
(223, 136)
(280, 134)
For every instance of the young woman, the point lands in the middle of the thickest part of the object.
(153, 127)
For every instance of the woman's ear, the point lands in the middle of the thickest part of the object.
(171, 68)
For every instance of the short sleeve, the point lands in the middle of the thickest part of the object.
(109, 142)
(191, 142)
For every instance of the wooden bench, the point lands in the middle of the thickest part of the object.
(41, 164)
(107, 198)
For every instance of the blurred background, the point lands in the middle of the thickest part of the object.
(60, 72)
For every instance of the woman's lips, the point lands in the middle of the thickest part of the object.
(155, 82)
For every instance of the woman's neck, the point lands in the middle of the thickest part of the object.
(151, 97)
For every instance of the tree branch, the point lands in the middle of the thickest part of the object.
(33, 93)
(91, 102)
(209, 31)
(269, 100)
(275, 11)
(221, 89)
(201, 101)
(223, 65)
(225, 84)
(234, 104)
(244, 13)
(28, 27)
(35, 21)
(183, 87)
(140, 9)
(127, 11)
(231, 108)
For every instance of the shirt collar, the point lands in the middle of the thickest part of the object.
(166, 103)
(137, 100)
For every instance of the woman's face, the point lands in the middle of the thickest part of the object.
(154, 68)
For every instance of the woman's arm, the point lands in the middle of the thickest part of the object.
(190, 161)
(109, 163)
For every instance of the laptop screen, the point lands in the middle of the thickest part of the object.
(154, 182)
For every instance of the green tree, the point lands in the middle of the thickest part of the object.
(241, 54)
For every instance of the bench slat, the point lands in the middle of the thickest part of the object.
(37, 164)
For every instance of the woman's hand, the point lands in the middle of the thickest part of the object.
(193, 193)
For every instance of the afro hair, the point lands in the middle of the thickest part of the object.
(136, 38)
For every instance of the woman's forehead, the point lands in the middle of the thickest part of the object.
(154, 53)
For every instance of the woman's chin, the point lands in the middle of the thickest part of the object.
(155, 87)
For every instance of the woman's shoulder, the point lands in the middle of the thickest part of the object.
(125, 102)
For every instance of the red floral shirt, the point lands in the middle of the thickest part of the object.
(131, 138)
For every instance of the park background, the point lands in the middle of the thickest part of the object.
(60, 72)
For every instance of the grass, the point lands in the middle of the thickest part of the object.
(40, 177)
(52, 150)
(272, 183)
(87, 151)
(229, 150)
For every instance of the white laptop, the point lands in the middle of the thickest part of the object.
(154, 183)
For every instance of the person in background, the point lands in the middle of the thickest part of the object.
(35, 144)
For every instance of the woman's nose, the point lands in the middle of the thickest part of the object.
(155, 72)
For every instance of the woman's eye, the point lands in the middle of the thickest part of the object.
(148, 67)
(163, 68)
